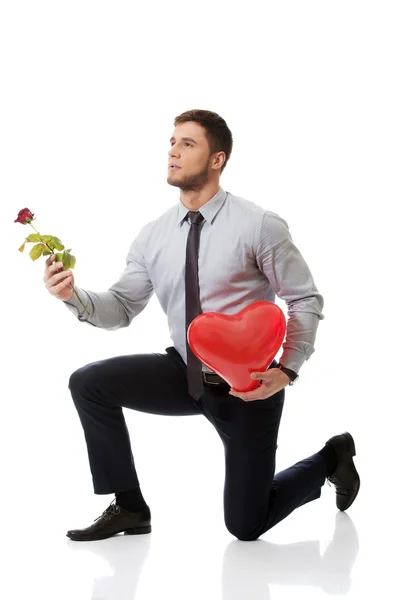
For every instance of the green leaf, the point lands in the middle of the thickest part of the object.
(46, 238)
(46, 252)
(55, 243)
(72, 263)
(34, 237)
(59, 256)
(66, 259)
(37, 251)
(22, 248)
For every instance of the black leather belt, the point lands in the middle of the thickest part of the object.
(213, 379)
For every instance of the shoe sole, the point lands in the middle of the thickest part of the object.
(135, 531)
(352, 450)
(138, 530)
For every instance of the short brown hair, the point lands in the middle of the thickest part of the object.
(217, 132)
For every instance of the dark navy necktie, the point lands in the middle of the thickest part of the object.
(194, 366)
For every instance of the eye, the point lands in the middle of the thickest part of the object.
(188, 143)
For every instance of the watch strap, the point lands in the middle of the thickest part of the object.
(291, 374)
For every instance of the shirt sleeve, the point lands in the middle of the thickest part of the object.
(123, 301)
(288, 273)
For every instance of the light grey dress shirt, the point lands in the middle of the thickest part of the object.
(246, 254)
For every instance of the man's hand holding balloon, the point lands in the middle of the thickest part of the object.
(273, 381)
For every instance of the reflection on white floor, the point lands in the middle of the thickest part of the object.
(316, 552)
(249, 570)
(297, 564)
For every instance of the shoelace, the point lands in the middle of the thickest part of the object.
(332, 482)
(112, 509)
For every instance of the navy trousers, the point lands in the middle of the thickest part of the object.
(255, 497)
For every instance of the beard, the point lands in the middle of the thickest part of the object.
(192, 183)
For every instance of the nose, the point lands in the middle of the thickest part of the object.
(172, 152)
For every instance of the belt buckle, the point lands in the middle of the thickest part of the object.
(207, 381)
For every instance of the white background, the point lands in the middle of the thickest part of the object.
(89, 92)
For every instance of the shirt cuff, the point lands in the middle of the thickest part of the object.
(75, 306)
(293, 359)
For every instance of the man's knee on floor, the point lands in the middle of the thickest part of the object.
(242, 531)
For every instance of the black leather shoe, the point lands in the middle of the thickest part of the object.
(114, 519)
(345, 478)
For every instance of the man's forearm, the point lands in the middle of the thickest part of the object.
(105, 310)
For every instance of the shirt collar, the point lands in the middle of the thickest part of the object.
(208, 210)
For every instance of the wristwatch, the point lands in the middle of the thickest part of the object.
(291, 374)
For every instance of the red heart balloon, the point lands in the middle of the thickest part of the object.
(236, 345)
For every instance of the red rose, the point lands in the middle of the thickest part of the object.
(45, 245)
(24, 214)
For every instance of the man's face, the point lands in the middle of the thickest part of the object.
(190, 151)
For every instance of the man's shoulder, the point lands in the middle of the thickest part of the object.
(150, 232)
(244, 204)
(252, 208)
(167, 216)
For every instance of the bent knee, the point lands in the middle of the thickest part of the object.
(242, 531)
(77, 379)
